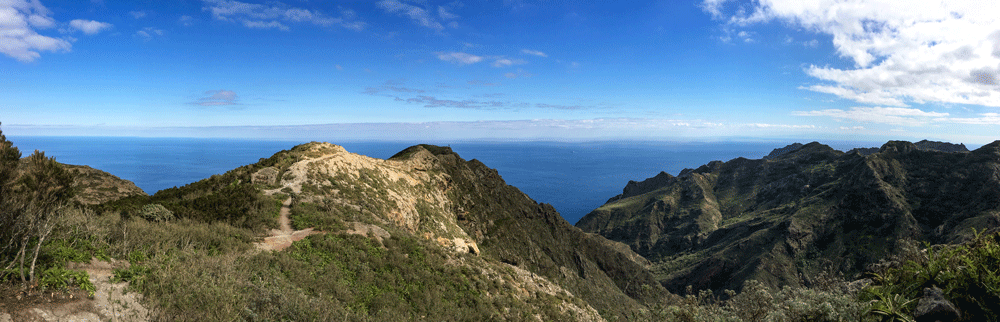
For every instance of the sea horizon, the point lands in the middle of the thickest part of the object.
(575, 177)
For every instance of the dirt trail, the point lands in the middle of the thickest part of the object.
(110, 301)
(286, 225)
(283, 237)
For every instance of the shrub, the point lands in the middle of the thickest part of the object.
(156, 212)
(966, 273)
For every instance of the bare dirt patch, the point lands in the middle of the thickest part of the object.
(284, 236)
(111, 301)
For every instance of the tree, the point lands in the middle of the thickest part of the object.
(31, 202)
(10, 156)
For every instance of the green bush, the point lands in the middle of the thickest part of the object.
(156, 212)
(967, 273)
(61, 278)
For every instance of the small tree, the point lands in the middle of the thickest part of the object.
(10, 156)
(30, 203)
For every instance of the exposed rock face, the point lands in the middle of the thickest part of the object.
(941, 146)
(266, 176)
(933, 307)
(806, 209)
(466, 207)
(637, 188)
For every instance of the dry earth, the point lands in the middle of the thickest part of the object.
(111, 301)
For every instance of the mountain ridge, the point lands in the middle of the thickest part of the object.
(779, 219)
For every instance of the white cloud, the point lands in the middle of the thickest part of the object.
(780, 126)
(419, 15)
(137, 14)
(518, 73)
(444, 14)
(918, 51)
(257, 24)
(89, 27)
(505, 62)
(272, 16)
(983, 119)
(18, 38)
(534, 53)
(459, 58)
(148, 33)
(186, 20)
(884, 115)
(218, 98)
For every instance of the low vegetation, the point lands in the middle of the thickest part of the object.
(191, 253)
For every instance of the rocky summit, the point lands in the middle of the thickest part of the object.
(802, 210)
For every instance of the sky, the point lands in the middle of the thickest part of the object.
(864, 70)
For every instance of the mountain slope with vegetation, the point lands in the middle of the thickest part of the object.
(803, 210)
(424, 235)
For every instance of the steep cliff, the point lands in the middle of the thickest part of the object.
(808, 208)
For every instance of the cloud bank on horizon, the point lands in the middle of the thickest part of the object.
(696, 68)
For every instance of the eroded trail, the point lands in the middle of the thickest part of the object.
(286, 224)
(284, 236)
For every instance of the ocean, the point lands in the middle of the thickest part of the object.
(574, 177)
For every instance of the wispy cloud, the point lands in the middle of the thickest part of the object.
(19, 20)
(883, 115)
(507, 62)
(218, 98)
(483, 83)
(148, 33)
(391, 86)
(517, 74)
(533, 53)
(137, 14)
(931, 52)
(431, 101)
(419, 15)
(459, 58)
(89, 27)
(277, 16)
(186, 20)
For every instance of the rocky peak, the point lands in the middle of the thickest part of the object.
(782, 151)
(897, 147)
(940, 146)
(633, 188)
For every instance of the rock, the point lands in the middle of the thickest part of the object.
(940, 146)
(266, 176)
(4, 317)
(856, 286)
(934, 307)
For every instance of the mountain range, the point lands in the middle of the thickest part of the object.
(373, 239)
(802, 210)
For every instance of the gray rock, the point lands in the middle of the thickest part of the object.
(934, 307)
(267, 176)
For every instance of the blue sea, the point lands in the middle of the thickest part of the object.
(574, 177)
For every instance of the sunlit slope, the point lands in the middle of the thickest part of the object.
(506, 247)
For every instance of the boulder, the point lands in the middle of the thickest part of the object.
(933, 307)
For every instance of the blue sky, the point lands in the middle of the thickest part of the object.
(513, 69)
